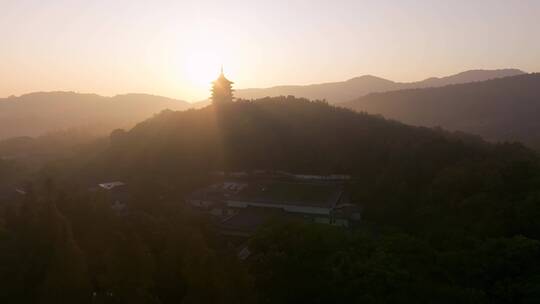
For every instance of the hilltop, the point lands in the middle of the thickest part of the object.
(282, 133)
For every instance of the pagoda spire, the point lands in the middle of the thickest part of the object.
(222, 91)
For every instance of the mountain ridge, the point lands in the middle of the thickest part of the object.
(343, 91)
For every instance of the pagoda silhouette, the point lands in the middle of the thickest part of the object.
(222, 91)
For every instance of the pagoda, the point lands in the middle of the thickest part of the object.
(222, 91)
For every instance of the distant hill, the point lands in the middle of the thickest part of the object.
(333, 92)
(336, 92)
(464, 77)
(38, 113)
(506, 109)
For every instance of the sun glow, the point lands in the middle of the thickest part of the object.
(202, 67)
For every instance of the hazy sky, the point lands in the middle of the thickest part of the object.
(174, 48)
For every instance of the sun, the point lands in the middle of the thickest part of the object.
(202, 67)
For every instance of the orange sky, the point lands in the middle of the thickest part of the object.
(175, 48)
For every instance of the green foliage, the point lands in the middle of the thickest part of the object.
(319, 264)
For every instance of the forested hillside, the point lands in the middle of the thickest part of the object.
(408, 176)
(447, 217)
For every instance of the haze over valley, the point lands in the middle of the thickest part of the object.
(44, 112)
(36, 114)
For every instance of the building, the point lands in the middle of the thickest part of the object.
(10, 194)
(111, 185)
(116, 193)
(222, 91)
(242, 207)
(244, 223)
